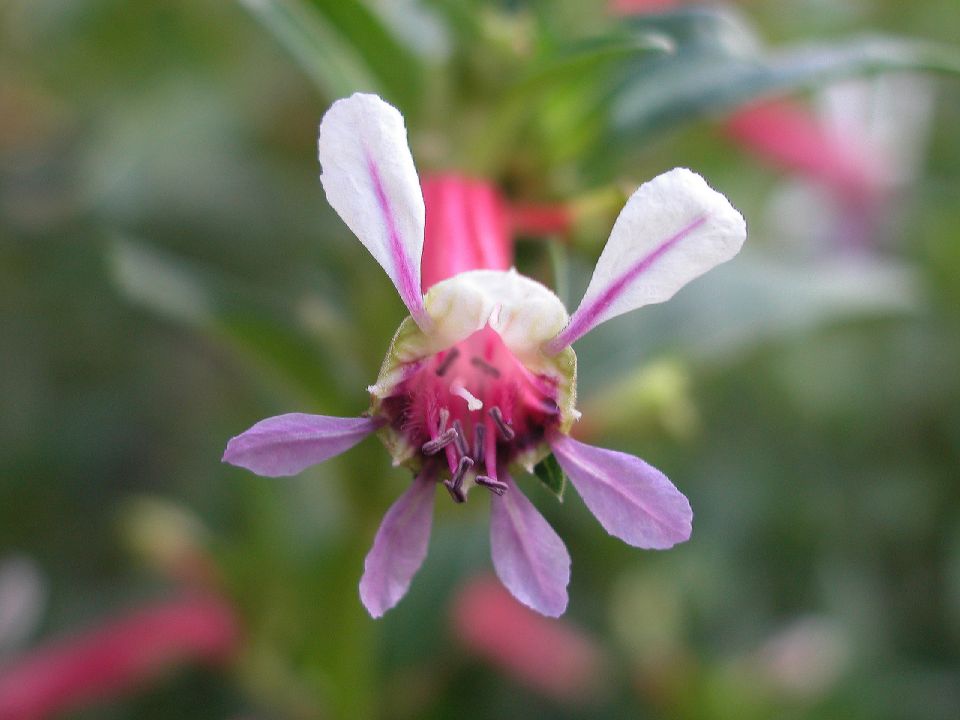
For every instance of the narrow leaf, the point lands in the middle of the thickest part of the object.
(697, 82)
(197, 298)
(335, 67)
(551, 475)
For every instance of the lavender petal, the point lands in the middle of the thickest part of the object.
(529, 557)
(399, 548)
(632, 500)
(286, 444)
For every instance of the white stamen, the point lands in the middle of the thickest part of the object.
(473, 402)
(494, 319)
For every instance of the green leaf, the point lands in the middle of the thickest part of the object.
(551, 475)
(197, 298)
(705, 81)
(395, 66)
(565, 87)
(335, 67)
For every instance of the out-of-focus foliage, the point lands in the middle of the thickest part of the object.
(170, 273)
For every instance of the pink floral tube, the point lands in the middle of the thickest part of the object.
(117, 657)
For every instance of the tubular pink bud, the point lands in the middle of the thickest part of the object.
(117, 657)
(466, 228)
(789, 137)
(539, 220)
(550, 656)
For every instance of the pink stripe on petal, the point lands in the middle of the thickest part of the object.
(287, 444)
(405, 275)
(673, 229)
(632, 500)
(589, 315)
(370, 180)
(399, 547)
(529, 557)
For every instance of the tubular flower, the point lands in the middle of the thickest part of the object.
(481, 378)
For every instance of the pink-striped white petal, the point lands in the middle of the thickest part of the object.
(370, 180)
(673, 229)
(632, 500)
(399, 548)
(530, 558)
(287, 444)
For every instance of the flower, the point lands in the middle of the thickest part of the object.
(850, 156)
(122, 654)
(554, 658)
(481, 378)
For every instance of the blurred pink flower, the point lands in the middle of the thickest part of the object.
(550, 656)
(789, 136)
(849, 154)
(117, 657)
(481, 377)
(640, 7)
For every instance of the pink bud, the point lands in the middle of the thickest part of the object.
(466, 228)
(792, 138)
(550, 656)
(117, 657)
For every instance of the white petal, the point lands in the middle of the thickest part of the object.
(524, 313)
(370, 180)
(673, 229)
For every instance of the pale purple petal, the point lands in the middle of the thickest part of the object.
(399, 548)
(632, 500)
(529, 557)
(286, 444)
(673, 229)
(370, 180)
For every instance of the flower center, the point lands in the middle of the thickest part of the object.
(471, 409)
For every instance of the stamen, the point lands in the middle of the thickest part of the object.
(455, 484)
(479, 438)
(462, 448)
(432, 447)
(506, 432)
(473, 402)
(492, 484)
(455, 492)
(447, 361)
(444, 419)
(479, 362)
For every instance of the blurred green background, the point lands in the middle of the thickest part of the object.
(170, 272)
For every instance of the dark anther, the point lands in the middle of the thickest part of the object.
(492, 484)
(479, 437)
(460, 440)
(455, 492)
(506, 432)
(449, 360)
(434, 446)
(455, 484)
(479, 362)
